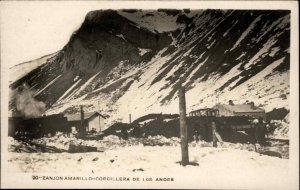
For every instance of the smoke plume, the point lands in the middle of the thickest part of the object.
(26, 104)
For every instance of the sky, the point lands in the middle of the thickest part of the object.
(30, 30)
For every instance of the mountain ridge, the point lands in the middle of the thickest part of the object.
(217, 55)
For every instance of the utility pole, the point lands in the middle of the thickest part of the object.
(99, 116)
(214, 135)
(161, 120)
(82, 129)
(183, 127)
(129, 118)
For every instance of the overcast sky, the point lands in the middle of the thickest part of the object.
(30, 30)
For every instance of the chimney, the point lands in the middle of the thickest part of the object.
(230, 102)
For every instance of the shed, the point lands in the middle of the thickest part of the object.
(92, 120)
(240, 110)
(205, 112)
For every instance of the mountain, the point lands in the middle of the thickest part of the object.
(23, 69)
(134, 61)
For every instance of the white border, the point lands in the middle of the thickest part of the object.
(22, 180)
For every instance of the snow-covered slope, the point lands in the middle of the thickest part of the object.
(123, 62)
(22, 69)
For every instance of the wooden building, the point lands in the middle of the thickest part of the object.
(249, 110)
(92, 120)
(205, 112)
(37, 127)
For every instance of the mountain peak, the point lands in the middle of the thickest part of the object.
(114, 64)
(105, 18)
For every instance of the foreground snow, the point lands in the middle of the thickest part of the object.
(151, 159)
(232, 165)
(236, 164)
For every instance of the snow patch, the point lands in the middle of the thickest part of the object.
(143, 51)
(69, 90)
(87, 83)
(50, 83)
(20, 70)
(76, 78)
(121, 36)
(246, 32)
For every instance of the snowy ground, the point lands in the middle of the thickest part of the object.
(151, 159)
(229, 162)
(144, 153)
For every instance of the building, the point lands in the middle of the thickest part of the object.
(240, 110)
(37, 127)
(204, 112)
(92, 120)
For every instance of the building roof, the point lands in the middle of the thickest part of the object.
(87, 115)
(241, 108)
(203, 109)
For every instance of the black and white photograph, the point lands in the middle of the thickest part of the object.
(190, 95)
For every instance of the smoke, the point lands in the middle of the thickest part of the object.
(26, 104)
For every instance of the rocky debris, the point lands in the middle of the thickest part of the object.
(71, 144)
(160, 141)
(281, 129)
(30, 147)
(112, 142)
(140, 169)
(12, 144)
(77, 148)
(271, 153)
(112, 138)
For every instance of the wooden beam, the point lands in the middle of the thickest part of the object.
(183, 127)
(214, 130)
(82, 129)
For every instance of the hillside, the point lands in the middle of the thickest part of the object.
(133, 61)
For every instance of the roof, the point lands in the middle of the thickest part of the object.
(242, 108)
(87, 115)
(203, 109)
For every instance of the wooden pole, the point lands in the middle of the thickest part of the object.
(82, 121)
(99, 123)
(183, 127)
(130, 118)
(99, 116)
(214, 131)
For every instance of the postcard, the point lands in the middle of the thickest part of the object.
(150, 94)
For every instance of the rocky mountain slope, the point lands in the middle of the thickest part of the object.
(133, 61)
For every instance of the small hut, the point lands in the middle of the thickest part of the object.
(91, 121)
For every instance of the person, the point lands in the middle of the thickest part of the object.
(137, 132)
(196, 136)
(124, 133)
(260, 132)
